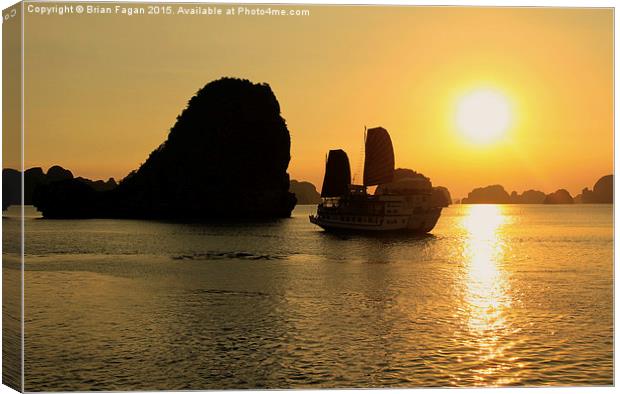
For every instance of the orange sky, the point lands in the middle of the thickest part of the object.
(102, 91)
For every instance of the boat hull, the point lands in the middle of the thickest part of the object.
(417, 222)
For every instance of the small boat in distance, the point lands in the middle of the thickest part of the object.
(406, 203)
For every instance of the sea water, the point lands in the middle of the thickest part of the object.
(497, 295)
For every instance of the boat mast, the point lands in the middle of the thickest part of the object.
(364, 157)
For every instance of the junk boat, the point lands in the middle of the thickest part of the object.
(407, 202)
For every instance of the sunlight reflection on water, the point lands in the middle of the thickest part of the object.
(487, 296)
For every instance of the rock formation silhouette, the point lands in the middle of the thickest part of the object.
(441, 196)
(34, 178)
(66, 199)
(561, 196)
(225, 157)
(493, 194)
(305, 192)
(604, 189)
(527, 197)
(57, 173)
(602, 193)
(11, 188)
(99, 186)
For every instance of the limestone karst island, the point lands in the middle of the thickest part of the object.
(226, 156)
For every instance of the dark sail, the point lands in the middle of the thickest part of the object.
(337, 174)
(379, 161)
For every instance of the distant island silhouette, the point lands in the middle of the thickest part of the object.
(225, 157)
(561, 196)
(493, 194)
(35, 177)
(305, 192)
(602, 193)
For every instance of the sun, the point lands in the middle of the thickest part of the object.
(483, 116)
